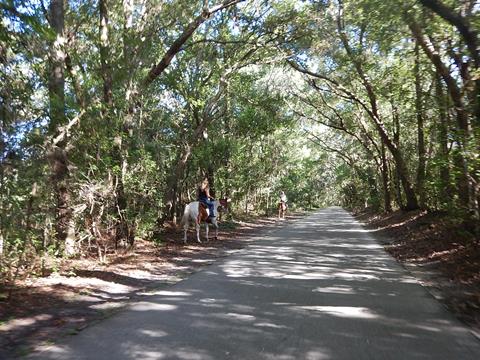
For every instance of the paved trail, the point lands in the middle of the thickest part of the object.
(319, 288)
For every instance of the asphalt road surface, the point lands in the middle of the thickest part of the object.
(318, 288)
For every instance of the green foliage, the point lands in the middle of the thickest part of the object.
(228, 106)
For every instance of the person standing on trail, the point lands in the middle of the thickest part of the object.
(282, 205)
(205, 198)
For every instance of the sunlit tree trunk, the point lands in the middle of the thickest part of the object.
(104, 54)
(420, 131)
(64, 226)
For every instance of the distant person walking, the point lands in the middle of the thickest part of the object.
(282, 205)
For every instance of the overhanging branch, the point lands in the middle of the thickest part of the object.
(158, 69)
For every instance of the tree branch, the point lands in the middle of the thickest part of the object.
(158, 69)
(461, 23)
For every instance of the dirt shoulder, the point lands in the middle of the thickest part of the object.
(82, 292)
(439, 252)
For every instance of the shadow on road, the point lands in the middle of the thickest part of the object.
(319, 289)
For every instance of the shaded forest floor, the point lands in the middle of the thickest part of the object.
(439, 252)
(82, 292)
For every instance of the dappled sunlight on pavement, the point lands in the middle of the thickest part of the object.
(320, 288)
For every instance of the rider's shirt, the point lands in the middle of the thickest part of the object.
(204, 198)
(202, 194)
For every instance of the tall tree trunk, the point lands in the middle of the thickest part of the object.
(172, 190)
(420, 131)
(401, 165)
(192, 141)
(446, 190)
(396, 140)
(104, 53)
(373, 189)
(178, 171)
(466, 189)
(57, 61)
(381, 163)
(387, 200)
(123, 230)
(57, 155)
(2, 185)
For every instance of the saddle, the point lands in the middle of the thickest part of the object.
(202, 205)
(203, 213)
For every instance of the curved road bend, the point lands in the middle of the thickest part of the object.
(319, 288)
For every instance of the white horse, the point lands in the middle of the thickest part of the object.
(199, 213)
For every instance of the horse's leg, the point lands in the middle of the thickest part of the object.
(216, 230)
(206, 231)
(185, 229)
(197, 227)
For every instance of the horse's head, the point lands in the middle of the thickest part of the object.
(223, 205)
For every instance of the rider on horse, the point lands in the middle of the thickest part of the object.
(205, 198)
